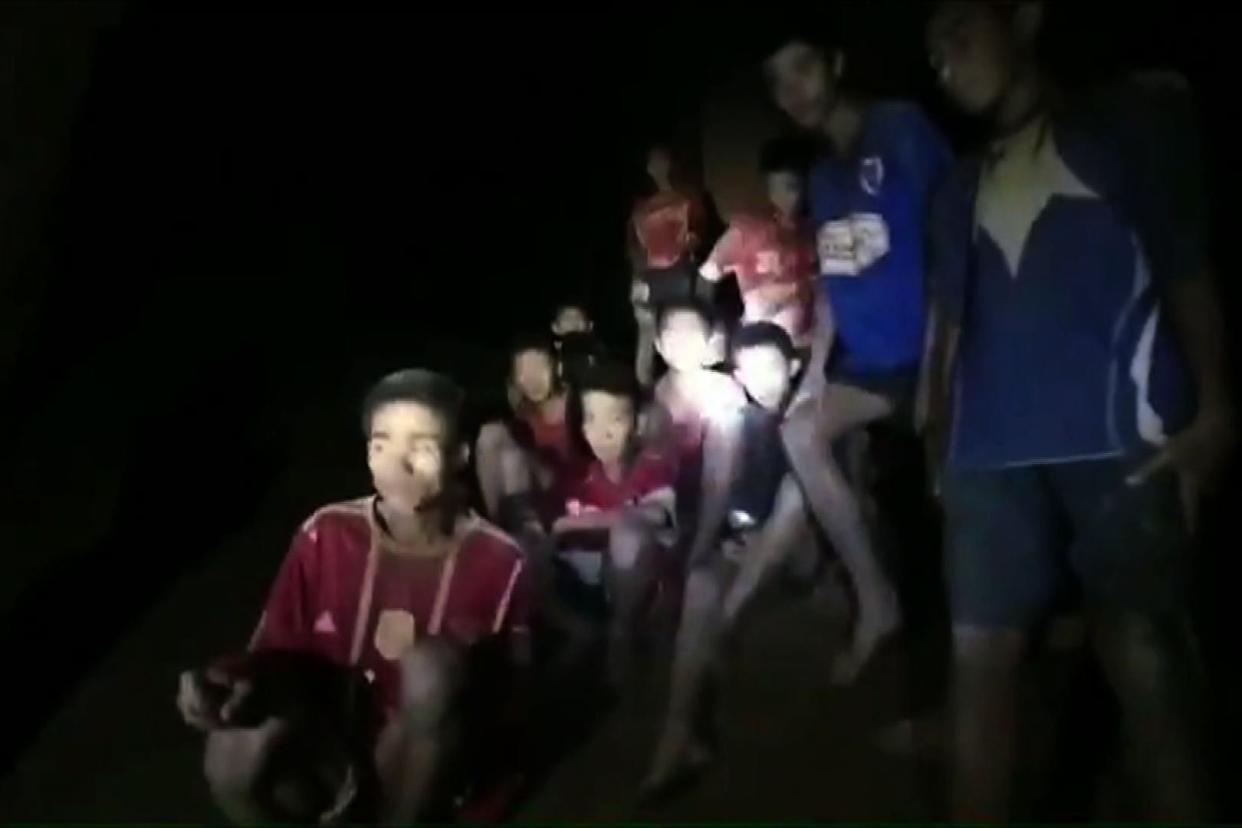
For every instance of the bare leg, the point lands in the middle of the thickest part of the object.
(786, 531)
(237, 764)
(497, 457)
(809, 433)
(984, 712)
(630, 573)
(695, 654)
(644, 354)
(413, 748)
(1151, 668)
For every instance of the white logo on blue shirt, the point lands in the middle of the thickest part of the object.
(850, 245)
(871, 175)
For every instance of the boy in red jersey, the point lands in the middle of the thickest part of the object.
(371, 653)
(668, 229)
(771, 253)
(523, 459)
(617, 511)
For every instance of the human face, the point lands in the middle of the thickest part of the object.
(608, 423)
(534, 374)
(684, 341)
(765, 373)
(569, 320)
(973, 53)
(803, 84)
(406, 455)
(785, 192)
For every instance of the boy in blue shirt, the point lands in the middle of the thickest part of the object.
(1086, 355)
(869, 200)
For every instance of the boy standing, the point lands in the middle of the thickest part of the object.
(1087, 356)
(869, 204)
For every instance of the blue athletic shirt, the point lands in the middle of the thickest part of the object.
(870, 217)
(1052, 255)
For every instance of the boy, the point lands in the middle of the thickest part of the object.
(621, 505)
(522, 460)
(869, 200)
(771, 254)
(668, 229)
(577, 347)
(371, 649)
(768, 524)
(1087, 355)
(697, 420)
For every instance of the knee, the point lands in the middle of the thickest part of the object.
(1147, 659)
(986, 655)
(493, 437)
(428, 682)
(627, 541)
(232, 764)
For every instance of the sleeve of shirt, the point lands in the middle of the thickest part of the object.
(286, 623)
(1165, 182)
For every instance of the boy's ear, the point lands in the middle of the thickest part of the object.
(463, 455)
(1028, 17)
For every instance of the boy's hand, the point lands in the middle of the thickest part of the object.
(1199, 454)
(209, 699)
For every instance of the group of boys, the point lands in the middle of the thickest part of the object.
(1043, 312)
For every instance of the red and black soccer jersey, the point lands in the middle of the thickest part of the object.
(347, 593)
(669, 227)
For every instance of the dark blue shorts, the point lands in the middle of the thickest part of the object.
(896, 384)
(1019, 539)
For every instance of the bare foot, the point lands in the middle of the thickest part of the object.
(870, 631)
(680, 758)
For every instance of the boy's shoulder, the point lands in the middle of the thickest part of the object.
(346, 515)
(482, 539)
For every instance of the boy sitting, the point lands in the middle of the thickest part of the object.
(619, 509)
(391, 624)
(696, 420)
(523, 459)
(767, 525)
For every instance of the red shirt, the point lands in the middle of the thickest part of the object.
(774, 261)
(343, 593)
(649, 473)
(669, 227)
(552, 437)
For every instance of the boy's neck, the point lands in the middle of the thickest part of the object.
(549, 407)
(614, 471)
(663, 185)
(417, 532)
(1023, 100)
(844, 126)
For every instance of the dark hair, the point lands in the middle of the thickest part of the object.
(819, 29)
(530, 341)
(417, 385)
(570, 304)
(758, 334)
(608, 377)
(695, 306)
(786, 153)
